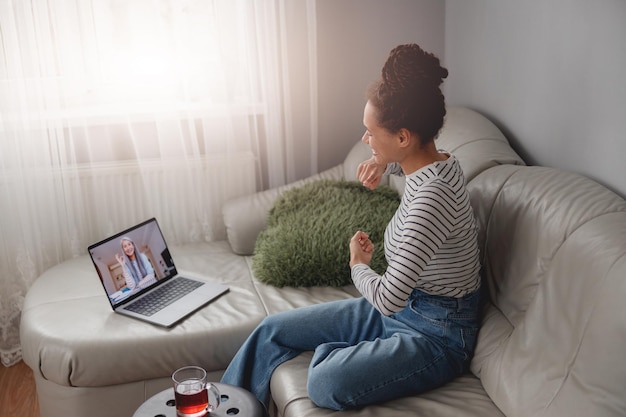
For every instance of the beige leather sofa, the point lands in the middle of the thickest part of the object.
(553, 246)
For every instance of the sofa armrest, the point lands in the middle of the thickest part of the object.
(245, 217)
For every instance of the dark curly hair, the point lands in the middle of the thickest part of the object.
(408, 94)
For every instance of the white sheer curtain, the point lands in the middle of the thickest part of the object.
(113, 111)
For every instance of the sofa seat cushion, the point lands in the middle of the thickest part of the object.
(71, 336)
(277, 299)
(463, 397)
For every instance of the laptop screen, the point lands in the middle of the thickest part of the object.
(132, 261)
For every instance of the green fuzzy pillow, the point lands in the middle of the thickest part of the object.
(306, 242)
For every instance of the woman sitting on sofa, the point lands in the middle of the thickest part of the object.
(415, 327)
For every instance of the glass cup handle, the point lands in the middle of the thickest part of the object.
(215, 401)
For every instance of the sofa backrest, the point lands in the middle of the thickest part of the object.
(553, 248)
(475, 141)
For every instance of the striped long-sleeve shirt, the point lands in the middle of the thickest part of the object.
(430, 243)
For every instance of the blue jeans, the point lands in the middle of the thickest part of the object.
(361, 356)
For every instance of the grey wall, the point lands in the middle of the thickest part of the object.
(354, 39)
(550, 73)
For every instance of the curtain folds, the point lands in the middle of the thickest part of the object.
(112, 112)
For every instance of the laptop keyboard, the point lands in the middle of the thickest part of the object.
(163, 296)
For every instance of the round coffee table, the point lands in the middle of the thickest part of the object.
(234, 401)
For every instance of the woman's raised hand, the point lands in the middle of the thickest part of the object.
(120, 260)
(369, 173)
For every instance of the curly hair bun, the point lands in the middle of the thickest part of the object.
(409, 66)
(408, 94)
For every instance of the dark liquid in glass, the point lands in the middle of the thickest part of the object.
(192, 403)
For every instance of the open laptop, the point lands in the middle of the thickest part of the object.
(140, 278)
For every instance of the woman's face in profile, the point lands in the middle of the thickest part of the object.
(380, 140)
(128, 247)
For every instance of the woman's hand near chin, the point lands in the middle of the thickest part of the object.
(369, 173)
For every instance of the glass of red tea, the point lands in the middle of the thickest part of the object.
(192, 392)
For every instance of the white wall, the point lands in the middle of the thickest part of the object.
(550, 73)
(354, 40)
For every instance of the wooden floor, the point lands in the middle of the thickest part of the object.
(18, 395)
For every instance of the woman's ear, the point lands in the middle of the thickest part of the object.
(404, 137)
